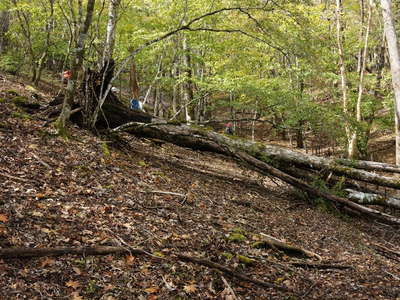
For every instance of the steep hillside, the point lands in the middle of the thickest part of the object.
(166, 200)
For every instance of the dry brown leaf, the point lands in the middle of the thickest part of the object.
(40, 195)
(152, 290)
(47, 262)
(3, 218)
(152, 297)
(190, 288)
(77, 270)
(73, 284)
(129, 260)
(76, 296)
(109, 287)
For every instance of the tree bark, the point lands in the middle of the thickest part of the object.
(187, 84)
(111, 28)
(373, 199)
(77, 61)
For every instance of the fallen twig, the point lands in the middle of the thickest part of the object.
(14, 177)
(386, 250)
(394, 276)
(164, 193)
(320, 266)
(41, 161)
(230, 290)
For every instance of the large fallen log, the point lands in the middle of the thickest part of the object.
(279, 157)
(200, 139)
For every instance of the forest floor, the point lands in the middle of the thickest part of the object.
(87, 191)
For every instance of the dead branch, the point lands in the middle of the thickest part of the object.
(272, 242)
(164, 193)
(386, 250)
(231, 272)
(322, 266)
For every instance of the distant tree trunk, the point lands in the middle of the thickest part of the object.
(351, 142)
(394, 57)
(188, 84)
(111, 28)
(45, 53)
(360, 51)
(76, 62)
(4, 25)
(356, 134)
(175, 89)
(133, 82)
(24, 23)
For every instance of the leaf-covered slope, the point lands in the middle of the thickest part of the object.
(89, 191)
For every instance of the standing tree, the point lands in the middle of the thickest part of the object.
(76, 63)
(394, 57)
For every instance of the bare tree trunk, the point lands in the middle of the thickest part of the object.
(356, 135)
(394, 57)
(133, 82)
(77, 61)
(360, 51)
(187, 86)
(351, 142)
(111, 28)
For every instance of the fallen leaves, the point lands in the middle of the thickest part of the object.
(190, 288)
(130, 260)
(72, 284)
(77, 270)
(3, 218)
(47, 262)
(152, 290)
(76, 296)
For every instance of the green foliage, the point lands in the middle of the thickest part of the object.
(11, 63)
(20, 115)
(106, 150)
(19, 100)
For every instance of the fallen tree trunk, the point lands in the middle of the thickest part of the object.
(318, 193)
(372, 199)
(201, 139)
(281, 158)
(369, 165)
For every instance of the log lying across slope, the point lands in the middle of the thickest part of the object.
(273, 160)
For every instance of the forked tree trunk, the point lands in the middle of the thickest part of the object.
(77, 61)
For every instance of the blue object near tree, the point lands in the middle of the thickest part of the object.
(136, 104)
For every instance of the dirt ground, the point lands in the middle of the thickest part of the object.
(88, 190)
